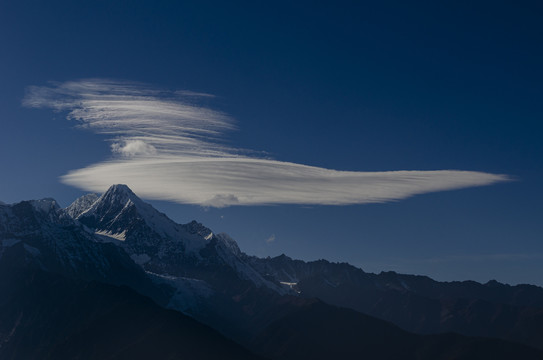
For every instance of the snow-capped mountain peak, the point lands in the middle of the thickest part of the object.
(159, 244)
(114, 199)
(81, 205)
(143, 228)
(120, 192)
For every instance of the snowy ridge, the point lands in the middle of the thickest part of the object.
(230, 243)
(81, 205)
(119, 205)
(161, 246)
(229, 252)
(122, 240)
(56, 241)
(45, 205)
(183, 265)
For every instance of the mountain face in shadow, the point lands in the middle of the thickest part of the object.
(46, 316)
(418, 303)
(108, 267)
(321, 331)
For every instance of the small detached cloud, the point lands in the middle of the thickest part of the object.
(133, 148)
(270, 239)
(166, 146)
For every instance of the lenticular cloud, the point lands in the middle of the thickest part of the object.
(166, 146)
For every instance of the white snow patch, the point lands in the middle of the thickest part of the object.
(189, 292)
(290, 286)
(118, 236)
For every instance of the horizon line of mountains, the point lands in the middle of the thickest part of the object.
(111, 277)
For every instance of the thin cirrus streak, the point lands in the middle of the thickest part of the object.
(168, 147)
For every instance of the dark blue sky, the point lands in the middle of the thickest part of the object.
(348, 86)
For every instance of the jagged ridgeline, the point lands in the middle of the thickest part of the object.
(110, 276)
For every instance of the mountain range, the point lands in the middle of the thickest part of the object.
(111, 277)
